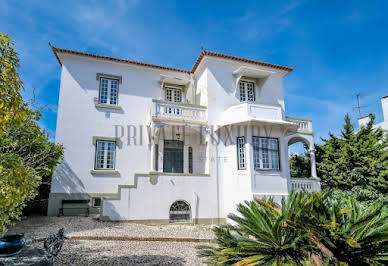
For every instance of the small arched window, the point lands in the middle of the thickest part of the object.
(180, 212)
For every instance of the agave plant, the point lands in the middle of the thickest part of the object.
(349, 232)
(264, 233)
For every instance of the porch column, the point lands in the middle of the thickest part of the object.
(313, 164)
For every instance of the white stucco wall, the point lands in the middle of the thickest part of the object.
(152, 202)
(79, 120)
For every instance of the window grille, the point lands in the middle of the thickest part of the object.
(180, 212)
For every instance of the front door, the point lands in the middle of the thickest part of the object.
(173, 156)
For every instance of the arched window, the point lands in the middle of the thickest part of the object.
(180, 212)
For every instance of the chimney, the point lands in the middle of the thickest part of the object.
(363, 121)
(384, 104)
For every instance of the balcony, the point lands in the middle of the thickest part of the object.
(307, 184)
(178, 112)
(304, 125)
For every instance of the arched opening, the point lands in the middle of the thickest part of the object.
(301, 157)
(299, 160)
(180, 212)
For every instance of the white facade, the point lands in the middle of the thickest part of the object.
(362, 121)
(141, 137)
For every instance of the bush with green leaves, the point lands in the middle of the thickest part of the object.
(306, 229)
(18, 184)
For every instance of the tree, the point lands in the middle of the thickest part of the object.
(12, 106)
(355, 159)
(33, 145)
(300, 166)
(18, 184)
(26, 154)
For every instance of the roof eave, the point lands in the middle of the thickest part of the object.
(235, 58)
(114, 59)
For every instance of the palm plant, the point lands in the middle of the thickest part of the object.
(350, 232)
(306, 229)
(264, 233)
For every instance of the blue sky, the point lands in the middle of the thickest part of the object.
(339, 48)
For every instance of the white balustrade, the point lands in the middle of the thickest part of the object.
(304, 125)
(307, 184)
(181, 111)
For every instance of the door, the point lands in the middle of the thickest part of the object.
(173, 156)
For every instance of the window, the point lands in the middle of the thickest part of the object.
(105, 154)
(190, 160)
(247, 91)
(265, 153)
(109, 90)
(173, 95)
(96, 202)
(241, 153)
(180, 212)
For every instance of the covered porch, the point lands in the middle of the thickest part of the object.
(305, 136)
(179, 149)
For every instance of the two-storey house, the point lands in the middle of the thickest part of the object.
(151, 143)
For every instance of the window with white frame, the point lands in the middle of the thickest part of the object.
(241, 153)
(105, 154)
(265, 153)
(109, 91)
(247, 91)
(96, 202)
(174, 95)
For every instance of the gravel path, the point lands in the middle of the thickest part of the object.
(86, 252)
(91, 252)
(36, 227)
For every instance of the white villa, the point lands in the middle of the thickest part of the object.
(156, 144)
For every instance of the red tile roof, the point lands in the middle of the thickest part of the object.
(199, 59)
(235, 58)
(59, 50)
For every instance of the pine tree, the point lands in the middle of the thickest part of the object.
(355, 159)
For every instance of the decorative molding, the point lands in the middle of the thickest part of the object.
(108, 106)
(104, 172)
(109, 76)
(161, 119)
(95, 138)
(180, 104)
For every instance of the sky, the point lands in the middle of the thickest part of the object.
(338, 48)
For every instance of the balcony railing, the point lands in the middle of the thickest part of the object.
(304, 125)
(307, 184)
(184, 112)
